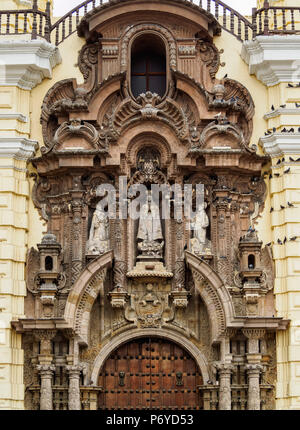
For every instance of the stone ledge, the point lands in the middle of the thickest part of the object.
(27, 62)
(282, 111)
(273, 59)
(14, 116)
(18, 148)
(279, 144)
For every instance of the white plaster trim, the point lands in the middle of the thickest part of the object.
(279, 144)
(282, 111)
(12, 167)
(18, 116)
(273, 59)
(25, 63)
(18, 148)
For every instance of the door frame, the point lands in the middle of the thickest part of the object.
(126, 337)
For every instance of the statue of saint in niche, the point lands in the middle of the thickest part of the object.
(98, 242)
(150, 231)
(200, 224)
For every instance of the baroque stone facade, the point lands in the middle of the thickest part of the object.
(102, 291)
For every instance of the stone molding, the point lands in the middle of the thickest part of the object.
(14, 116)
(273, 59)
(281, 111)
(27, 62)
(19, 148)
(278, 144)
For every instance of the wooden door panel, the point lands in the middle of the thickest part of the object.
(150, 374)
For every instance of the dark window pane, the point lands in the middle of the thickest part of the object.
(139, 65)
(157, 84)
(138, 85)
(157, 64)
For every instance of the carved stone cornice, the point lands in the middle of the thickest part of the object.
(19, 148)
(278, 144)
(273, 59)
(27, 62)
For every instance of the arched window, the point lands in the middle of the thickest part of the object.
(251, 261)
(148, 65)
(48, 263)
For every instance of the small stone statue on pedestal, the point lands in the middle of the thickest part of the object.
(98, 242)
(200, 225)
(150, 231)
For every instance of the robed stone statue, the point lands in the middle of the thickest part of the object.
(98, 242)
(199, 225)
(150, 231)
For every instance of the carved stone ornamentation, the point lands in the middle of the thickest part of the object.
(78, 128)
(210, 55)
(149, 308)
(118, 297)
(88, 58)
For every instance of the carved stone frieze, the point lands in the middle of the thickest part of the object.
(78, 128)
(149, 308)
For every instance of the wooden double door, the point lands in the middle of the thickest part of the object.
(150, 373)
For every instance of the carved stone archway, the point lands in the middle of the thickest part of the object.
(214, 294)
(123, 338)
(84, 293)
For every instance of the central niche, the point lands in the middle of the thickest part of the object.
(148, 65)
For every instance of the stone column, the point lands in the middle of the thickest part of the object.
(74, 387)
(253, 367)
(77, 209)
(225, 371)
(254, 371)
(46, 396)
